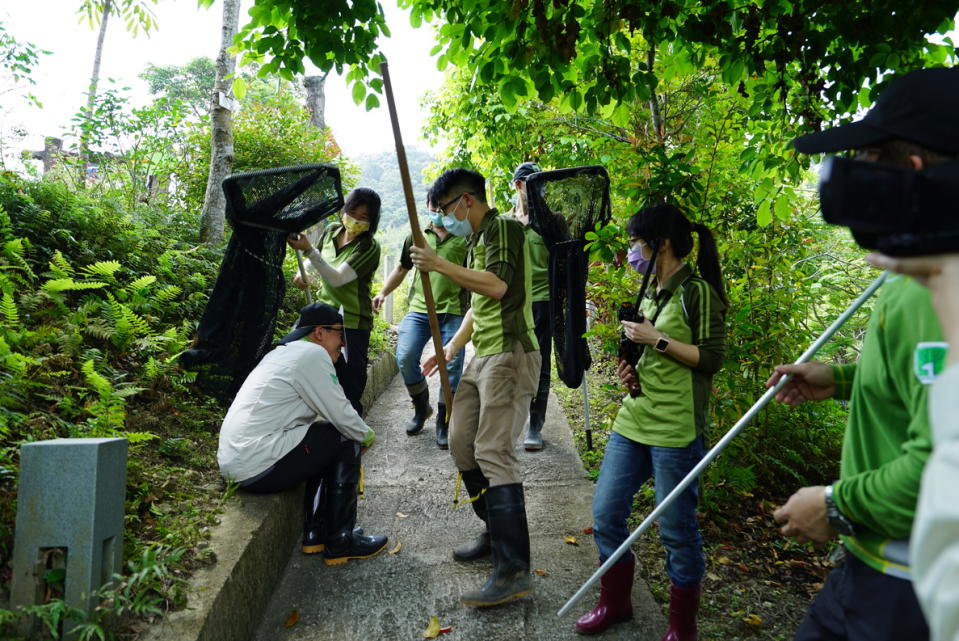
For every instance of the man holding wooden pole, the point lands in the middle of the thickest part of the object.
(492, 401)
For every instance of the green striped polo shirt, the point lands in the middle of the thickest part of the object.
(539, 261)
(499, 247)
(449, 297)
(363, 255)
(673, 407)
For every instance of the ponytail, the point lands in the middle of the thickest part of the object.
(707, 261)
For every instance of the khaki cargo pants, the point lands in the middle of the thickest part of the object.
(490, 410)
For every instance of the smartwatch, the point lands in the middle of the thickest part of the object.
(662, 343)
(837, 519)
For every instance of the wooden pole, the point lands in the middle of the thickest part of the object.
(418, 240)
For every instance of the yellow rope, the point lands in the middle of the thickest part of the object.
(456, 493)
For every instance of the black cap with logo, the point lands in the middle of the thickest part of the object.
(313, 315)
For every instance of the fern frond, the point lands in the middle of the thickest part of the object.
(8, 309)
(166, 294)
(96, 380)
(102, 268)
(55, 285)
(141, 283)
(137, 437)
(59, 266)
(16, 252)
(99, 329)
(126, 392)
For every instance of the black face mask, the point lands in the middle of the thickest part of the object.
(899, 211)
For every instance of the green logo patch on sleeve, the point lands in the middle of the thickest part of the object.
(929, 361)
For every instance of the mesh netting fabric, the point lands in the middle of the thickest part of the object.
(237, 326)
(564, 204)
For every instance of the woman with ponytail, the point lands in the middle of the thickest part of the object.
(659, 433)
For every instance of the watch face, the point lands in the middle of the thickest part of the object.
(662, 344)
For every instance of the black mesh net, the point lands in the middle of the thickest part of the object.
(563, 205)
(263, 207)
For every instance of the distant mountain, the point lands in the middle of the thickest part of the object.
(381, 173)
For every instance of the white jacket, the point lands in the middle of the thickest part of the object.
(293, 386)
(935, 533)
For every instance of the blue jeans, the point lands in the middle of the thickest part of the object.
(626, 466)
(414, 334)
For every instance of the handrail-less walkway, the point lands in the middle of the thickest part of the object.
(409, 494)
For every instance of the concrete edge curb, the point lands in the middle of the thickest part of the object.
(252, 544)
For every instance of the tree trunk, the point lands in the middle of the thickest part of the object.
(221, 157)
(654, 100)
(316, 99)
(92, 92)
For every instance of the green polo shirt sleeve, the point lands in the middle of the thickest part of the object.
(843, 376)
(707, 320)
(406, 261)
(504, 248)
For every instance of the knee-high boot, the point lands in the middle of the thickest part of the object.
(475, 483)
(343, 543)
(421, 408)
(509, 538)
(615, 600)
(442, 427)
(683, 608)
(537, 417)
(314, 509)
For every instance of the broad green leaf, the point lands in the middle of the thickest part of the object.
(239, 88)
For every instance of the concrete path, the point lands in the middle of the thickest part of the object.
(409, 494)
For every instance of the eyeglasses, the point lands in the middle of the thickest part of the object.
(331, 328)
(442, 207)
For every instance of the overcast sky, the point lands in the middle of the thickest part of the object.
(185, 32)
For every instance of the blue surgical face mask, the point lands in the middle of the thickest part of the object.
(436, 218)
(456, 226)
(636, 260)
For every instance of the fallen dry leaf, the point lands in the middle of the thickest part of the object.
(711, 576)
(433, 629)
(446, 630)
(398, 547)
(541, 572)
(723, 560)
(401, 515)
(587, 530)
(292, 619)
(570, 540)
(752, 619)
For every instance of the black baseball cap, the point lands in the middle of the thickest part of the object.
(525, 169)
(313, 315)
(919, 107)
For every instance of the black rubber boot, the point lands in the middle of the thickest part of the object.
(537, 416)
(475, 483)
(509, 536)
(343, 542)
(421, 411)
(442, 427)
(314, 535)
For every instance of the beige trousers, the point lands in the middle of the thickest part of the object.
(490, 410)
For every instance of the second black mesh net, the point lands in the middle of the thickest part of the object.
(564, 204)
(237, 326)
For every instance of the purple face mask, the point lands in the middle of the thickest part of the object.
(635, 258)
